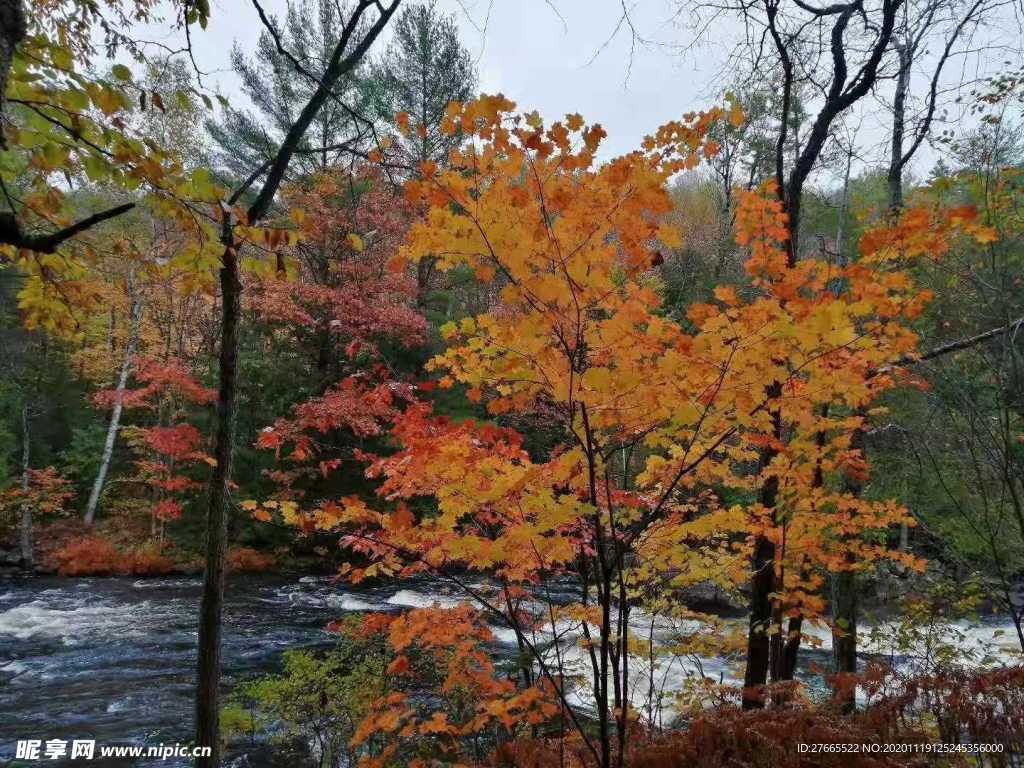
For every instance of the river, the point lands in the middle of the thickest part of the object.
(113, 659)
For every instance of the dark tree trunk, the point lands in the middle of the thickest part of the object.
(13, 28)
(791, 649)
(342, 60)
(762, 585)
(794, 632)
(844, 603)
(211, 610)
(844, 636)
(25, 529)
(894, 177)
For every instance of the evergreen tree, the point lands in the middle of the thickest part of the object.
(424, 68)
(280, 84)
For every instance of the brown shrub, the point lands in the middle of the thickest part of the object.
(249, 559)
(147, 560)
(88, 556)
(96, 556)
(731, 738)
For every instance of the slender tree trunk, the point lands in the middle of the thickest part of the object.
(211, 610)
(791, 649)
(762, 585)
(25, 532)
(115, 415)
(342, 61)
(844, 603)
(794, 632)
(758, 640)
(894, 176)
(844, 208)
(844, 636)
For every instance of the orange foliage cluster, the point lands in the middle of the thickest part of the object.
(439, 658)
(357, 405)
(95, 556)
(159, 378)
(247, 559)
(46, 492)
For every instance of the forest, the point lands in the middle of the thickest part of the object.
(356, 414)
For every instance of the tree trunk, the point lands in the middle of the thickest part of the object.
(115, 415)
(844, 602)
(791, 649)
(211, 610)
(762, 585)
(25, 532)
(894, 176)
(424, 272)
(844, 637)
(13, 27)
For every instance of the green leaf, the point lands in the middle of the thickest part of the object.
(77, 100)
(121, 72)
(202, 182)
(61, 57)
(95, 168)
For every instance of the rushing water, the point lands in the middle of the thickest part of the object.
(114, 659)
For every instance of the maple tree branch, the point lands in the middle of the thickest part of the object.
(11, 234)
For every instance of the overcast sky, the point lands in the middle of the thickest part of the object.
(554, 62)
(560, 56)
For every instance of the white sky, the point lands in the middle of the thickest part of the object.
(555, 56)
(526, 52)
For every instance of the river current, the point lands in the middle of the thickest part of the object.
(113, 660)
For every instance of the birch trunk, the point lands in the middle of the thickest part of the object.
(115, 415)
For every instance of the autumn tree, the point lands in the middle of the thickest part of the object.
(655, 421)
(167, 443)
(341, 298)
(843, 71)
(60, 119)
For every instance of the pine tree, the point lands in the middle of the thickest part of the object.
(424, 69)
(245, 140)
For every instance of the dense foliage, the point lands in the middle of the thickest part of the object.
(378, 325)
